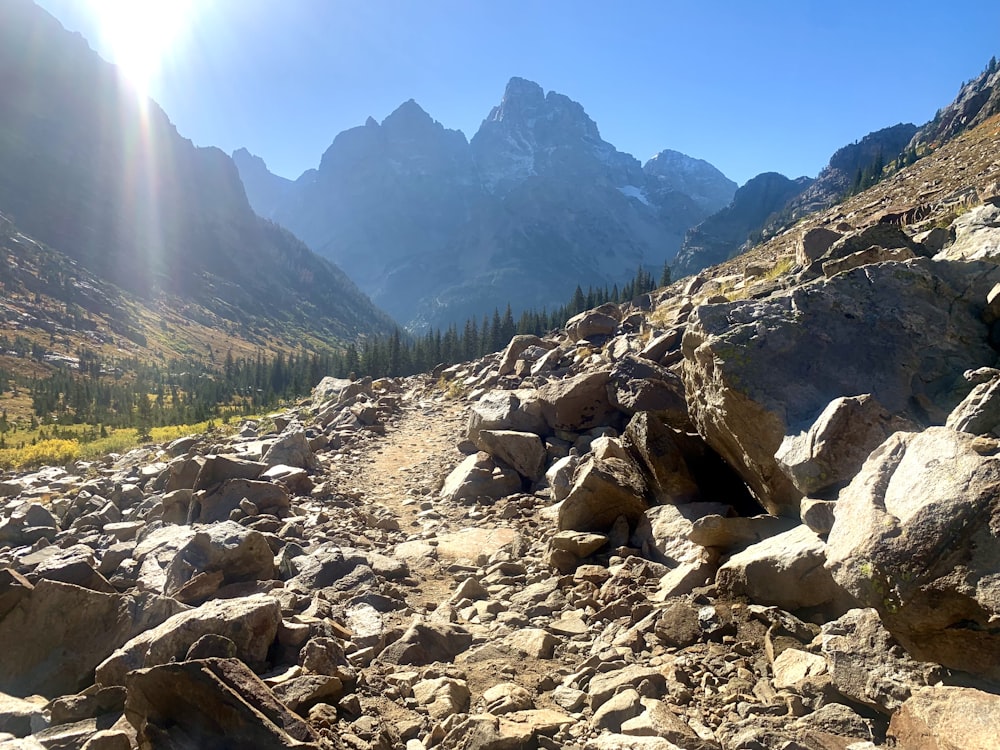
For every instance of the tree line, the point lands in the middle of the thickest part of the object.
(131, 393)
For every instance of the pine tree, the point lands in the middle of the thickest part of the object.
(665, 275)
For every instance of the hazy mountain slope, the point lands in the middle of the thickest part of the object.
(722, 235)
(96, 172)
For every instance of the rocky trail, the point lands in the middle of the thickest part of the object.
(761, 521)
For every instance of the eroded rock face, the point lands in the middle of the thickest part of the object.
(917, 537)
(756, 371)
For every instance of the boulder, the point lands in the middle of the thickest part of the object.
(662, 452)
(426, 642)
(210, 703)
(947, 718)
(590, 325)
(732, 533)
(217, 469)
(20, 717)
(784, 570)
(663, 536)
(251, 623)
(758, 370)
(917, 537)
(57, 634)
(814, 244)
(291, 449)
(829, 453)
(442, 696)
(603, 491)
(977, 234)
(885, 236)
(216, 505)
(578, 403)
(867, 665)
(229, 549)
(478, 475)
(524, 452)
(505, 410)
(638, 385)
(516, 347)
(979, 412)
(867, 257)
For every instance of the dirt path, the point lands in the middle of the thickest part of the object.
(403, 472)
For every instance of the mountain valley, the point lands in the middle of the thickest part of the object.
(755, 508)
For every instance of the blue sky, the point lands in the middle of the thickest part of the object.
(749, 86)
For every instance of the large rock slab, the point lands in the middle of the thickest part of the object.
(758, 370)
(210, 703)
(867, 665)
(56, 635)
(479, 475)
(947, 718)
(251, 623)
(662, 452)
(639, 385)
(917, 537)
(506, 410)
(234, 552)
(216, 505)
(785, 571)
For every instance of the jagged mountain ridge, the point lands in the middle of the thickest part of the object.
(437, 228)
(94, 171)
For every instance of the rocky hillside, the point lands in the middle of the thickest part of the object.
(757, 509)
(437, 229)
(103, 177)
(977, 101)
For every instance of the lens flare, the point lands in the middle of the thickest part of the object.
(140, 34)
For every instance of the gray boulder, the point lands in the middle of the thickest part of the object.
(947, 718)
(814, 244)
(291, 449)
(917, 537)
(478, 475)
(662, 453)
(506, 410)
(234, 552)
(758, 370)
(979, 412)
(785, 571)
(210, 703)
(638, 385)
(867, 665)
(602, 491)
(578, 403)
(58, 633)
(830, 452)
(524, 452)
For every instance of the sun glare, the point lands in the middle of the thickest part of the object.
(140, 33)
